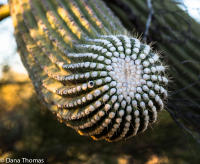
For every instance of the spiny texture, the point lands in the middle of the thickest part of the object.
(88, 71)
(178, 35)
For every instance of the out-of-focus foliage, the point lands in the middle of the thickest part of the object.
(29, 130)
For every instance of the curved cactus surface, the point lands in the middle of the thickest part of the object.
(87, 69)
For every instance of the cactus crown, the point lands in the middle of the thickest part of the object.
(103, 85)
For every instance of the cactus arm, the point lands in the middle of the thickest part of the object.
(4, 11)
(87, 69)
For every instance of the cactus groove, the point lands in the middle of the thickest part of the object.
(87, 69)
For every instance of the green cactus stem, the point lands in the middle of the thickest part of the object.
(87, 69)
(4, 11)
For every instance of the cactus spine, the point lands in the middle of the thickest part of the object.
(88, 70)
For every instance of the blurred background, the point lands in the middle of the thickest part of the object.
(28, 130)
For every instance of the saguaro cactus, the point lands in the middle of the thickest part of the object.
(87, 69)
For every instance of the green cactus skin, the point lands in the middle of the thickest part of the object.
(87, 69)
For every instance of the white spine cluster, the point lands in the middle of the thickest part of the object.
(118, 87)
